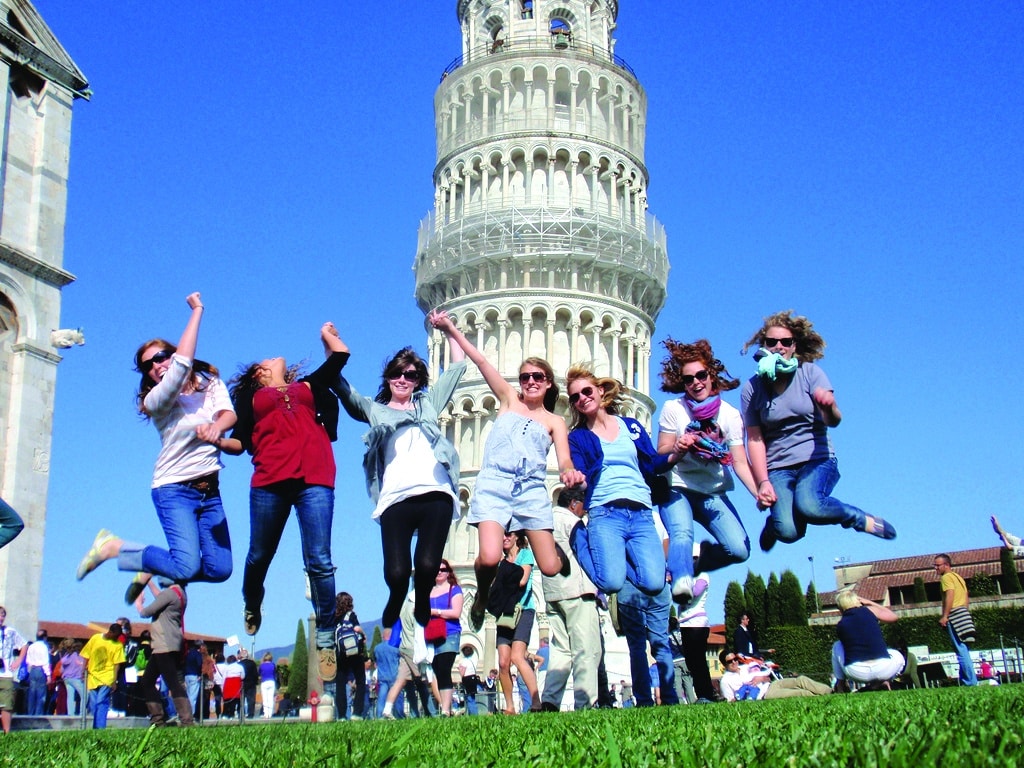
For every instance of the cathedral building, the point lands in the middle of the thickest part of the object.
(42, 85)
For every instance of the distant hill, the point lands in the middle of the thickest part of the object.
(285, 651)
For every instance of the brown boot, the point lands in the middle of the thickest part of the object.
(184, 708)
(157, 716)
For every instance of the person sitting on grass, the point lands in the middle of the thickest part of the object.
(860, 653)
(738, 680)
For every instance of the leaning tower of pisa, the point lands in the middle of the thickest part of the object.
(539, 242)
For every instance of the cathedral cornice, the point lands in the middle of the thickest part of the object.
(37, 268)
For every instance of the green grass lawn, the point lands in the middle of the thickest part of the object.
(952, 727)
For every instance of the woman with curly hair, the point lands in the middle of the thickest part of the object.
(189, 406)
(787, 409)
(412, 474)
(510, 493)
(707, 433)
(619, 461)
(287, 424)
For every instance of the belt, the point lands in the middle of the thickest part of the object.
(206, 484)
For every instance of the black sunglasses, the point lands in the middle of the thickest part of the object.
(535, 375)
(584, 392)
(442, 569)
(147, 365)
(412, 376)
(699, 376)
(769, 342)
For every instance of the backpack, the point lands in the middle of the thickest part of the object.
(346, 639)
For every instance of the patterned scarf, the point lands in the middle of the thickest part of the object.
(710, 445)
(770, 364)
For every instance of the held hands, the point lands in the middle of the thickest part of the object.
(194, 301)
(440, 320)
(571, 477)
(685, 440)
(208, 433)
(765, 494)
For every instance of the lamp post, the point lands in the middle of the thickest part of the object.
(817, 605)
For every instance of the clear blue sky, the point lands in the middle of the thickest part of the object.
(860, 163)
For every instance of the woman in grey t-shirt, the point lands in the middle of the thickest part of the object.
(787, 409)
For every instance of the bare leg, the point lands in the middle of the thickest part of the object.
(527, 676)
(490, 535)
(549, 560)
(505, 677)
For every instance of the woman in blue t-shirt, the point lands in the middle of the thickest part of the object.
(617, 458)
(787, 410)
(512, 641)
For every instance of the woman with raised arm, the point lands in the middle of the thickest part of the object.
(510, 492)
(619, 461)
(412, 475)
(707, 433)
(788, 408)
(287, 424)
(190, 408)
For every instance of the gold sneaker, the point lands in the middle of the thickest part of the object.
(328, 664)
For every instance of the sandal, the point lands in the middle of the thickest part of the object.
(136, 587)
(94, 557)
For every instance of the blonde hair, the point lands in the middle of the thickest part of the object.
(613, 393)
(847, 599)
(809, 344)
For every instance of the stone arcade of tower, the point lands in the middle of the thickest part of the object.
(539, 242)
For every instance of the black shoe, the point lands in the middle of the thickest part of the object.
(547, 706)
(252, 621)
(767, 539)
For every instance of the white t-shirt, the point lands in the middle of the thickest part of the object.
(183, 456)
(693, 472)
(412, 470)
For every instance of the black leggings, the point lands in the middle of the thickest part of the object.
(442, 665)
(429, 516)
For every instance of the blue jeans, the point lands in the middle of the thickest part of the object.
(269, 508)
(99, 705)
(963, 655)
(620, 543)
(471, 708)
(198, 544)
(10, 523)
(36, 691)
(644, 619)
(192, 689)
(76, 687)
(803, 497)
(717, 514)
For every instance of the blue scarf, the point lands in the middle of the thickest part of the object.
(771, 364)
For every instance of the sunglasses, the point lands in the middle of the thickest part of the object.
(698, 376)
(147, 365)
(412, 376)
(535, 375)
(442, 569)
(769, 342)
(584, 392)
(731, 659)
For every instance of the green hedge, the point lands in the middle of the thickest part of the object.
(808, 650)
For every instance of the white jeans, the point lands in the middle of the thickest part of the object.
(871, 671)
(267, 691)
(575, 649)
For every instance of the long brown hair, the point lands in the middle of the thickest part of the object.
(402, 358)
(551, 396)
(452, 581)
(202, 372)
